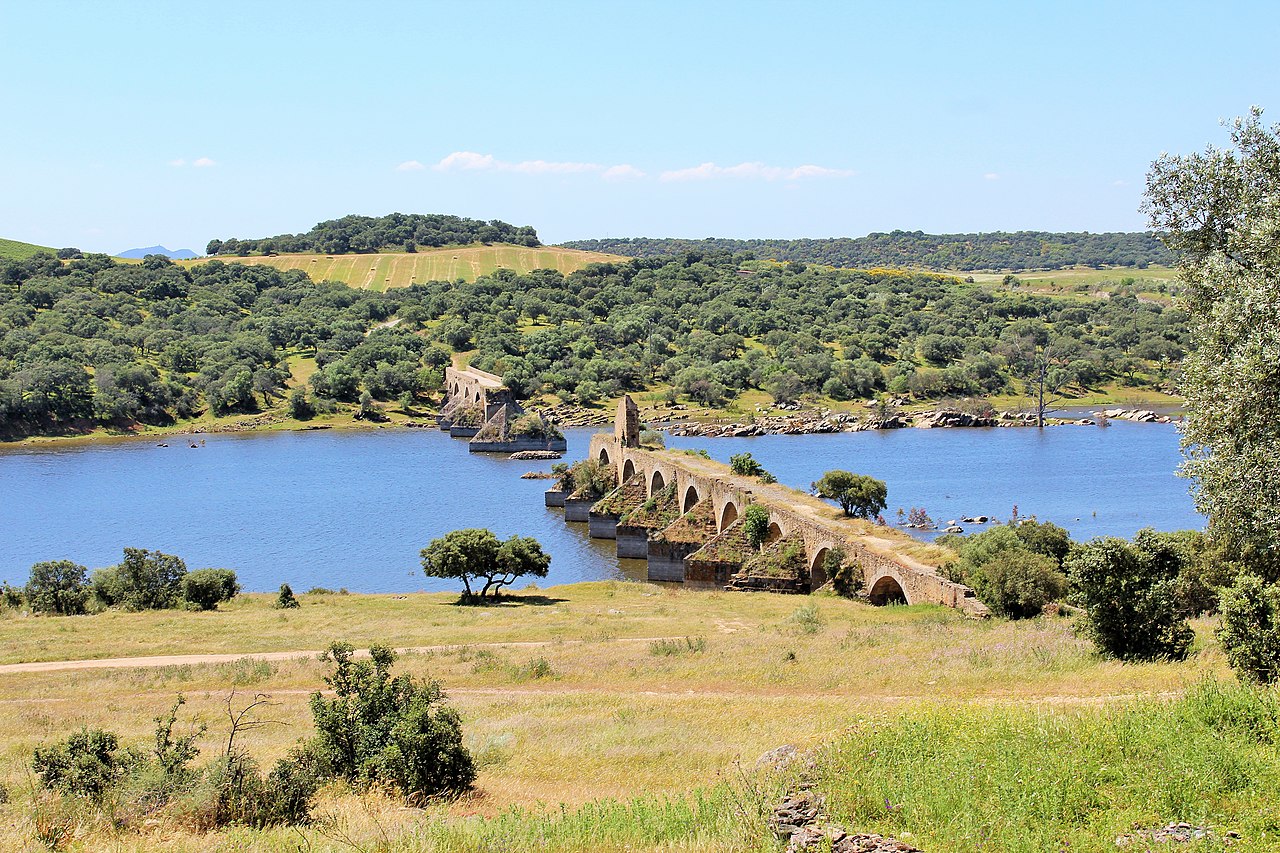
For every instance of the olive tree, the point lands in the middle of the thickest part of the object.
(858, 495)
(475, 556)
(58, 587)
(1220, 211)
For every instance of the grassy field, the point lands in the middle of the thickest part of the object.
(593, 733)
(1153, 282)
(386, 270)
(15, 250)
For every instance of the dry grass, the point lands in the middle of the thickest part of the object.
(386, 270)
(605, 717)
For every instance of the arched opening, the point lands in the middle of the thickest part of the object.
(604, 456)
(728, 516)
(887, 590)
(775, 533)
(818, 569)
(690, 498)
(656, 484)
(628, 470)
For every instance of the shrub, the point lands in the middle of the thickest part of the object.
(805, 620)
(300, 407)
(57, 587)
(847, 580)
(755, 524)
(144, 580)
(205, 589)
(1250, 631)
(1018, 583)
(1130, 595)
(12, 597)
(391, 730)
(652, 438)
(87, 764)
(745, 465)
(232, 791)
(286, 600)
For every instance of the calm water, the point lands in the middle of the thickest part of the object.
(338, 509)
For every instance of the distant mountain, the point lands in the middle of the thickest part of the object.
(176, 254)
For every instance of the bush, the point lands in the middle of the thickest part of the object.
(57, 587)
(12, 597)
(847, 579)
(390, 730)
(1250, 631)
(1018, 583)
(144, 580)
(745, 465)
(205, 589)
(300, 407)
(1130, 595)
(87, 764)
(286, 600)
(755, 524)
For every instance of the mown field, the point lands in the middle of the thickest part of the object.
(387, 270)
(15, 250)
(620, 716)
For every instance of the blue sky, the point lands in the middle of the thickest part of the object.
(132, 124)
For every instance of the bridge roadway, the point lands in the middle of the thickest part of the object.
(890, 572)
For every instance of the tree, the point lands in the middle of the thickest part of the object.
(475, 554)
(286, 600)
(1129, 592)
(1219, 210)
(396, 731)
(859, 496)
(745, 465)
(205, 589)
(57, 587)
(1250, 631)
(144, 580)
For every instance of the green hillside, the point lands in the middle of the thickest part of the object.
(15, 251)
(387, 270)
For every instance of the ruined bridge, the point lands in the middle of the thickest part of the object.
(683, 513)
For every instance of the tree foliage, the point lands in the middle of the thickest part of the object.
(859, 495)
(755, 524)
(475, 556)
(143, 580)
(1250, 631)
(1129, 592)
(58, 587)
(205, 589)
(994, 250)
(1220, 212)
(1014, 569)
(358, 234)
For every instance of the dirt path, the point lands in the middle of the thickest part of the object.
(152, 661)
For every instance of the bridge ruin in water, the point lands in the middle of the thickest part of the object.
(683, 514)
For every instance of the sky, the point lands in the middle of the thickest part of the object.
(143, 123)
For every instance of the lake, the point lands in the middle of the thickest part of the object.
(353, 508)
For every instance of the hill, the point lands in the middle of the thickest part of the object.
(175, 254)
(997, 250)
(16, 251)
(388, 270)
(395, 231)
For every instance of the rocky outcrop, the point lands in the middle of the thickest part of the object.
(799, 820)
(1142, 416)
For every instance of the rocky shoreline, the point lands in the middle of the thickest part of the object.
(823, 421)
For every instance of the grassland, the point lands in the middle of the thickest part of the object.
(591, 733)
(15, 251)
(388, 270)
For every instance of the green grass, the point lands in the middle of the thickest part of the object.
(15, 251)
(388, 270)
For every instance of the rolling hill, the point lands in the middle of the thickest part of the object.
(16, 251)
(387, 270)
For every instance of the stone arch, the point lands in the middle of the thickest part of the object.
(728, 515)
(691, 497)
(775, 533)
(887, 590)
(656, 483)
(818, 569)
(604, 456)
(628, 470)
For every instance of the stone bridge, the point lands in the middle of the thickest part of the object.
(708, 501)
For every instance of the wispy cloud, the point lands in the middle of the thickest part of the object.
(470, 161)
(991, 176)
(754, 171)
(410, 166)
(178, 162)
(203, 163)
(622, 172)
